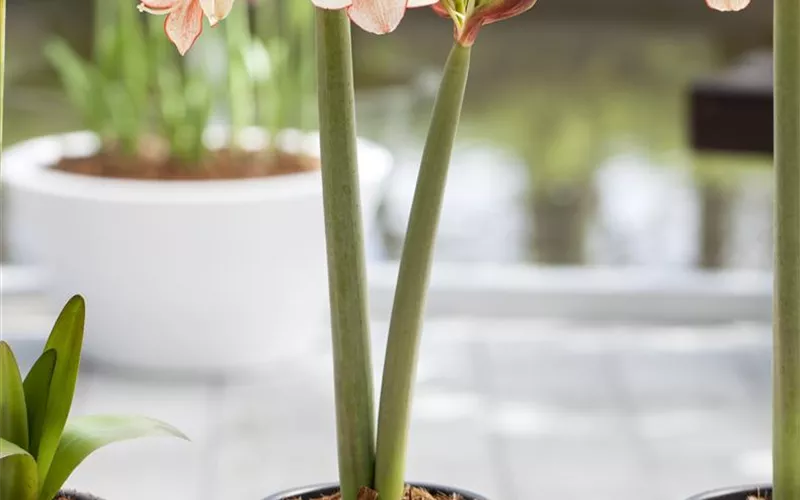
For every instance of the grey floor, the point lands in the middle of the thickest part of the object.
(513, 409)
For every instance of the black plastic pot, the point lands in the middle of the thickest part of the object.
(315, 492)
(741, 493)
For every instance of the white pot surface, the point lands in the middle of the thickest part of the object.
(179, 275)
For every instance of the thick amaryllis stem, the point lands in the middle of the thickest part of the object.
(412, 284)
(346, 268)
(786, 425)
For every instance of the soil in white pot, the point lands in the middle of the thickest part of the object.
(152, 164)
(411, 493)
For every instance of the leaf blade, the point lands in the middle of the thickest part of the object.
(66, 339)
(18, 479)
(84, 435)
(37, 389)
(13, 414)
(77, 80)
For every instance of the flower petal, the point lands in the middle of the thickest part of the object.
(728, 5)
(377, 16)
(420, 3)
(492, 12)
(332, 4)
(158, 7)
(184, 25)
(160, 4)
(216, 10)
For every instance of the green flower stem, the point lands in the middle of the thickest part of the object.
(2, 65)
(409, 301)
(786, 425)
(355, 418)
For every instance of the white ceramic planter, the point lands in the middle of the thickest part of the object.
(179, 275)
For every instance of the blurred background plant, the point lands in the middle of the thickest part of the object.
(141, 98)
(631, 66)
(657, 211)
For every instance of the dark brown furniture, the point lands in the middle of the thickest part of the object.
(732, 111)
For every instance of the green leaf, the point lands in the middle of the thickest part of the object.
(83, 83)
(18, 479)
(73, 73)
(134, 63)
(108, 51)
(84, 435)
(37, 390)
(125, 119)
(66, 339)
(13, 416)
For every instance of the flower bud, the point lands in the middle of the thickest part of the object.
(469, 20)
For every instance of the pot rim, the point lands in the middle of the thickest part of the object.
(295, 492)
(26, 167)
(731, 490)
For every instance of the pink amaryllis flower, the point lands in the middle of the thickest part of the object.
(184, 21)
(728, 5)
(376, 16)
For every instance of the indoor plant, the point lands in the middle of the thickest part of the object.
(786, 308)
(39, 448)
(157, 238)
(370, 467)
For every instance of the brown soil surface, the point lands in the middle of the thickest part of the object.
(410, 494)
(71, 495)
(223, 164)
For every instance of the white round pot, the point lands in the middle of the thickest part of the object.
(179, 275)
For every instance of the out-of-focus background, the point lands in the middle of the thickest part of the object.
(599, 314)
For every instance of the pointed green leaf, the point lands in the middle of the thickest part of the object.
(66, 339)
(74, 75)
(84, 435)
(37, 390)
(13, 416)
(18, 479)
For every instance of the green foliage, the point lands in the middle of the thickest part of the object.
(83, 435)
(39, 449)
(66, 340)
(284, 32)
(111, 93)
(183, 98)
(271, 73)
(136, 86)
(18, 478)
(37, 394)
(13, 416)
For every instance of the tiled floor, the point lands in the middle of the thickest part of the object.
(514, 409)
